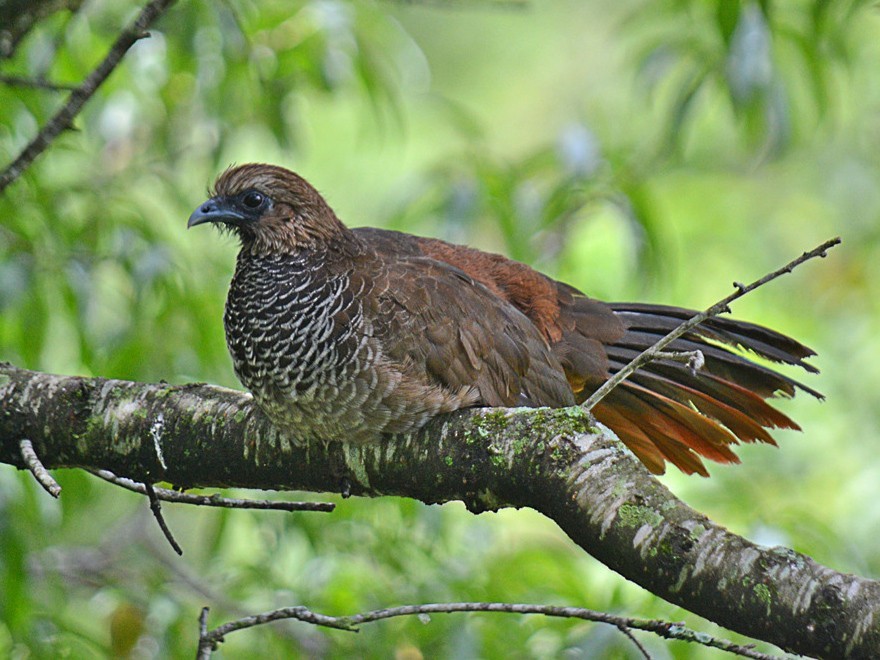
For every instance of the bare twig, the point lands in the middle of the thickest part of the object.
(156, 508)
(37, 469)
(36, 83)
(209, 639)
(205, 648)
(78, 97)
(694, 360)
(213, 500)
(722, 306)
(626, 632)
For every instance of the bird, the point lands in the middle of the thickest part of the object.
(351, 334)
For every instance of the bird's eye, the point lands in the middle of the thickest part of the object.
(253, 199)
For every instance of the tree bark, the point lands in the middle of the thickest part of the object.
(559, 462)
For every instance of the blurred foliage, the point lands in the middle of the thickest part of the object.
(656, 150)
(764, 56)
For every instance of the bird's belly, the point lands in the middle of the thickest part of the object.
(316, 392)
(355, 400)
(305, 382)
(336, 406)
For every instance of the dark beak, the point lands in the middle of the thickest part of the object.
(216, 209)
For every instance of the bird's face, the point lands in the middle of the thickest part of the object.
(241, 211)
(271, 209)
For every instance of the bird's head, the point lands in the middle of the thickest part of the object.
(271, 209)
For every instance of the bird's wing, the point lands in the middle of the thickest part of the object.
(450, 330)
(663, 411)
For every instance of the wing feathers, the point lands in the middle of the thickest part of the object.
(494, 324)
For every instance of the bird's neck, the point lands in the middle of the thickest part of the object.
(287, 238)
(305, 266)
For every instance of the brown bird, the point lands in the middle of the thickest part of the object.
(351, 333)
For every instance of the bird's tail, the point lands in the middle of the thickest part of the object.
(665, 412)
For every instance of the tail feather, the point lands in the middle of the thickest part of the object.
(742, 426)
(721, 388)
(666, 412)
(648, 451)
(670, 438)
(756, 338)
(698, 431)
(724, 363)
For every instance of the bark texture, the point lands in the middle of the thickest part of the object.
(559, 462)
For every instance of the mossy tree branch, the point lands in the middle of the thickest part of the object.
(555, 461)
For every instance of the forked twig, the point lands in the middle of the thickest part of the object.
(654, 352)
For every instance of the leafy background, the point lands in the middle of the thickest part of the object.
(636, 149)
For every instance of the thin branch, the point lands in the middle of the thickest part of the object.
(694, 360)
(722, 306)
(36, 83)
(205, 647)
(209, 639)
(37, 469)
(626, 632)
(156, 508)
(213, 500)
(78, 97)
